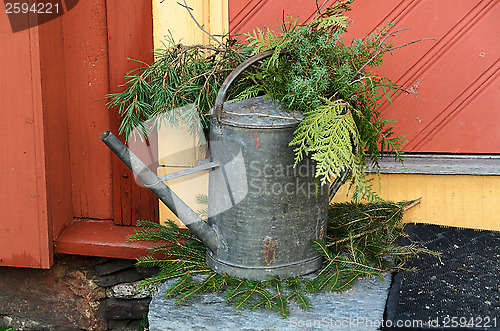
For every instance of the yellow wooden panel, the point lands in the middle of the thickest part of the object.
(450, 200)
(170, 16)
(186, 187)
(176, 147)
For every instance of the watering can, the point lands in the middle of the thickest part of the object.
(262, 211)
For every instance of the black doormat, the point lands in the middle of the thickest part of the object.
(458, 291)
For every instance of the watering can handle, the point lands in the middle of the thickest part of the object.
(221, 96)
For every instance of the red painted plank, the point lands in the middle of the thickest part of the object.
(86, 71)
(25, 238)
(474, 128)
(99, 238)
(55, 125)
(244, 16)
(455, 74)
(130, 35)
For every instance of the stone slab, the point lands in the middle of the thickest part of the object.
(123, 276)
(64, 296)
(119, 309)
(126, 291)
(360, 308)
(109, 267)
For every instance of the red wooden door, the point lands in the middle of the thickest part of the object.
(25, 236)
(456, 77)
(53, 87)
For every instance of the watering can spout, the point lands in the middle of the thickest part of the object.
(193, 222)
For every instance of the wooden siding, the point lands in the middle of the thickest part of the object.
(97, 60)
(55, 123)
(87, 76)
(456, 77)
(27, 207)
(130, 36)
(465, 201)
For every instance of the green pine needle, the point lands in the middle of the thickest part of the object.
(362, 241)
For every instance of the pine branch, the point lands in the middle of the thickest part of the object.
(359, 239)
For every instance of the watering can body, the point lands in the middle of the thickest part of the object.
(266, 210)
(263, 210)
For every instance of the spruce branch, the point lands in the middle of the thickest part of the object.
(359, 239)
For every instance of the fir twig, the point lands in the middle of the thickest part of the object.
(360, 237)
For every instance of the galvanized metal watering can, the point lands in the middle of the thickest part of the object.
(263, 211)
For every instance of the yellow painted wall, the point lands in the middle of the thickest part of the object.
(168, 15)
(177, 149)
(450, 200)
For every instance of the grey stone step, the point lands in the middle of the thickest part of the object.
(359, 308)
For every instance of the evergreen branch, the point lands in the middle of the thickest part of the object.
(378, 50)
(282, 302)
(362, 234)
(248, 295)
(360, 237)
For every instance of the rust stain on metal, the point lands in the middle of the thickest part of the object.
(269, 250)
(256, 137)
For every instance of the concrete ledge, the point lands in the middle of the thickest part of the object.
(360, 308)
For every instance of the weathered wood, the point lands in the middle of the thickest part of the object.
(130, 36)
(87, 83)
(99, 238)
(56, 133)
(483, 165)
(25, 233)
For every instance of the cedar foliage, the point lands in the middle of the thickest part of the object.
(329, 81)
(362, 240)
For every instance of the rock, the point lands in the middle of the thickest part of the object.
(126, 291)
(148, 271)
(359, 308)
(24, 323)
(117, 325)
(95, 260)
(112, 266)
(119, 309)
(124, 276)
(42, 299)
(67, 328)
